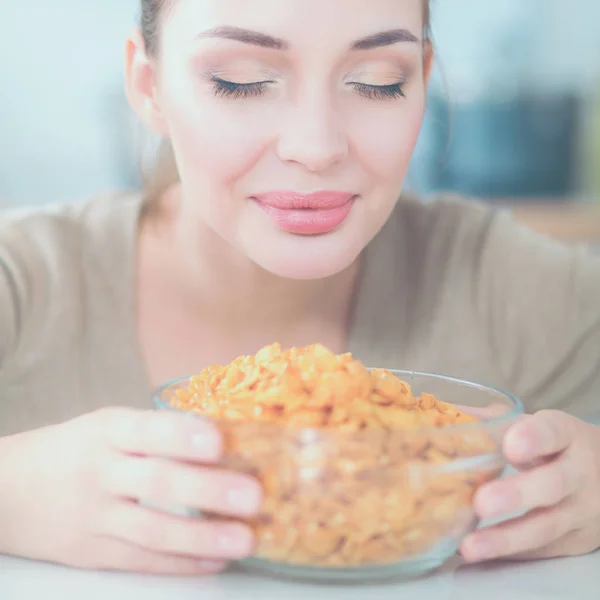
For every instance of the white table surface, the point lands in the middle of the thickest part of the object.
(564, 579)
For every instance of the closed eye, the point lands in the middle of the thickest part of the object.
(380, 92)
(230, 89)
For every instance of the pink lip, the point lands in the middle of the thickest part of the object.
(308, 214)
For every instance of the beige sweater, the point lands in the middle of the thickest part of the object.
(449, 286)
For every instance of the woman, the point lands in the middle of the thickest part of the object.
(292, 125)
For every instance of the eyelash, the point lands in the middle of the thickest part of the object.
(230, 89)
(380, 92)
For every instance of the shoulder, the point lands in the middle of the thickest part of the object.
(492, 251)
(441, 233)
(448, 215)
(453, 226)
(60, 227)
(49, 254)
(39, 241)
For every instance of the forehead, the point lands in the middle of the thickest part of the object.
(301, 22)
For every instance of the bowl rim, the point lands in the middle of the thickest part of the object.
(517, 409)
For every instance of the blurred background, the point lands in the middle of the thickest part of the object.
(514, 103)
(513, 115)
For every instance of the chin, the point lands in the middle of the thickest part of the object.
(306, 257)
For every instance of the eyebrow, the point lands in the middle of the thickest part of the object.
(385, 38)
(254, 38)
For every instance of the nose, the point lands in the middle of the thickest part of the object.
(312, 137)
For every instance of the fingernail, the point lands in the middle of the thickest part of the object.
(206, 444)
(522, 446)
(496, 504)
(480, 549)
(234, 543)
(245, 500)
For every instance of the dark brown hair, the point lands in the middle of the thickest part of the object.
(152, 14)
(165, 173)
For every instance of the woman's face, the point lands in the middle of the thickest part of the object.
(293, 122)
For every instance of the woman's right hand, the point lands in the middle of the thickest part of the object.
(70, 494)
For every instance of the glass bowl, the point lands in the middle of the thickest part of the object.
(364, 506)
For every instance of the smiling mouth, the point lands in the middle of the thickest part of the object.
(307, 214)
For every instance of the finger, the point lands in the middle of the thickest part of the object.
(541, 487)
(575, 543)
(168, 534)
(545, 434)
(173, 484)
(540, 528)
(116, 555)
(163, 433)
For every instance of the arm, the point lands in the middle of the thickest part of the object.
(8, 315)
(11, 478)
(575, 222)
(62, 487)
(9, 446)
(540, 304)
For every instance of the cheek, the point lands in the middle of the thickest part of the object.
(215, 143)
(386, 139)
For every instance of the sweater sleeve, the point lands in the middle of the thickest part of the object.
(540, 304)
(9, 309)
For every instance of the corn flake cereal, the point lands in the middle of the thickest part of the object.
(354, 472)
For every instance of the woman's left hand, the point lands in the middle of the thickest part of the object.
(558, 457)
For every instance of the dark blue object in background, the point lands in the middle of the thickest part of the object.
(526, 147)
